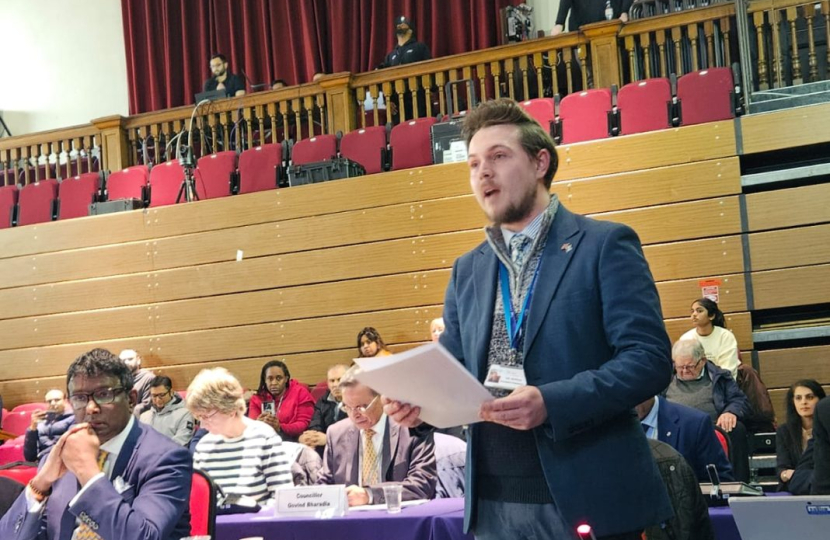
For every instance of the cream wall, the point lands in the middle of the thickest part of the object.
(63, 63)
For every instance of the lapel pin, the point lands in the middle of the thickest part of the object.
(567, 247)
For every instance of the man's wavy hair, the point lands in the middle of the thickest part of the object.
(532, 136)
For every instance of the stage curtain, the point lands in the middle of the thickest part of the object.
(169, 43)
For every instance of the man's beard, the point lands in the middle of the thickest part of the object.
(517, 211)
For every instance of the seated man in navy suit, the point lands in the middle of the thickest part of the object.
(108, 477)
(688, 431)
(367, 450)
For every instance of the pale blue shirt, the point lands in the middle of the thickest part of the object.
(651, 420)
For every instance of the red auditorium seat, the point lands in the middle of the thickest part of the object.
(8, 200)
(128, 183)
(30, 407)
(319, 148)
(319, 390)
(36, 202)
(368, 147)
(11, 451)
(259, 168)
(706, 96)
(723, 439)
(411, 144)
(18, 470)
(166, 180)
(76, 194)
(644, 106)
(215, 173)
(541, 110)
(17, 422)
(584, 115)
(202, 505)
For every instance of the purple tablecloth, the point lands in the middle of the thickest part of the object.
(413, 523)
(440, 519)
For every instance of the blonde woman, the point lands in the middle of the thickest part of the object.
(243, 456)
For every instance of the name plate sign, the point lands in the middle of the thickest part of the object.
(312, 501)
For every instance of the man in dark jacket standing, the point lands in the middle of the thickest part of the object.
(408, 49)
(589, 11)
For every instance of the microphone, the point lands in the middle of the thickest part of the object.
(253, 86)
(712, 471)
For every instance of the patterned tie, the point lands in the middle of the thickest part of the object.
(82, 531)
(518, 249)
(370, 459)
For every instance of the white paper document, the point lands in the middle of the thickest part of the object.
(404, 504)
(430, 378)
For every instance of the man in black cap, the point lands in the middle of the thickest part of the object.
(408, 50)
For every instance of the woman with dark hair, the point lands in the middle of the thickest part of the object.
(281, 402)
(710, 330)
(793, 440)
(369, 344)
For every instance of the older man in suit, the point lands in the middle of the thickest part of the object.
(107, 477)
(687, 430)
(566, 308)
(367, 450)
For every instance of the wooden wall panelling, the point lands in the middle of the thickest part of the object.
(402, 325)
(695, 258)
(791, 287)
(782, 367)
(739, 323)
(676, 297)
(349, 262)
(647, 150)
(681, 221)
(336, 298)
(663, 185)
(777, 209)
(786, 248)
(798, 126)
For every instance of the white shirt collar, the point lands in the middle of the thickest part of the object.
(113, 446)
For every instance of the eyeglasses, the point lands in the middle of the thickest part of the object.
(687, 367)
(102, 396)
(361, 409)
(202, 418)
(160, 396)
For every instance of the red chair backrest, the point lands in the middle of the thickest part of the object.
(127, 183)
(644, 106)
(8, 198)
(36, 201)
(17, 422)
(319, 390)
(166, 181)
(706, 96)
(30, 407)
(202, 505)
(258, 168)
(411, 144)
(319, 148)
(365, 146)
(11, 451)
(584, 115)
(77, 193)
(541, 110)
(214, 173)
(723, 439)
(19, 473)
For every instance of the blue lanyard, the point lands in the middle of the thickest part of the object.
(514, 324)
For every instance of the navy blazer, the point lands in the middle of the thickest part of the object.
(690, 432)
(596, 346)
(153, 504)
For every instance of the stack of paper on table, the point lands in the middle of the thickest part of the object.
(430, 378)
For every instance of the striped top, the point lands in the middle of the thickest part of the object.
(253, 464)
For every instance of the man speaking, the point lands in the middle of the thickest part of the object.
(567, 306)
